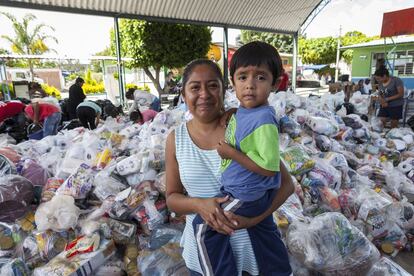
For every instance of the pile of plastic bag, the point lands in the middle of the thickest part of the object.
(354, 187)
(93, 202)
(90, 202)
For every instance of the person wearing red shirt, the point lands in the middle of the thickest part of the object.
(284, 81)
(46, 113)
(10, 109)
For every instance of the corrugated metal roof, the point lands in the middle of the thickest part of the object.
(284, 16)
(380, 42)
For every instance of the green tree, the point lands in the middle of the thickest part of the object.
(28, 40)
(350, 38)
(97, 64)
(283, 43)
(157, 45)
(318, 50)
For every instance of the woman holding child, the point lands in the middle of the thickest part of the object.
(193, 160)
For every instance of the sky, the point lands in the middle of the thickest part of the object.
(83, 35)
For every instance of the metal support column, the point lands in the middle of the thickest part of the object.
(225, 56)
(295, 60)
(119, 63)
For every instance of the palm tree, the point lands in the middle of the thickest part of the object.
(29, 41)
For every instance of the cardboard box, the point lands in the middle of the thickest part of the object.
(79, 265)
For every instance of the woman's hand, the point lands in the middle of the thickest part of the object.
(383, 102)
(225, 150)
(240, 222)
(209, 209)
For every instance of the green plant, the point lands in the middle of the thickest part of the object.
(71, 77)
(3, 89)
(29, 40)
(132, 85)
(283, 43)
(51, 91)
(156, 45)
(93, 88)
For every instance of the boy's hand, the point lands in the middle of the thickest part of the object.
(225, 150)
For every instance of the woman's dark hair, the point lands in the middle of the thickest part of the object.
(257, 53)
(135, 115)
(79, 80)
(193, 64)
(381, 72)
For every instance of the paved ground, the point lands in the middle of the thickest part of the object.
(406, 260)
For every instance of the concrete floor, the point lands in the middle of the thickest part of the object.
(406, 261)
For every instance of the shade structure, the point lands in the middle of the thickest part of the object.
(281, 16)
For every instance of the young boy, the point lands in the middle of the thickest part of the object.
(250, 166)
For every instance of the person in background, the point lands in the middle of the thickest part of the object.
(391, 96)
(360, 86)
(138, 117)
(367, 86)
(284, 81)
(36, 91)
(89, 114)
(378, 64)
(47, 114)
(11, 109)
(76, 96)
(142, 100)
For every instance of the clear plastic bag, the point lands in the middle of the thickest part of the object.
(326, 173)
(372, 203)
(387, 267)
(297, 161)
(78, 184)
(376, 124)
(52, 160)
(14, 267)
(289, 126)
(106, 185)
(10, 154)
(165, 234)
(323, 143)
(291, 210)
(332, 246)
(323, 126)
(165, 261)
(300, 115)
(6, 166)
(30, 169)
(58, 214)
(16, 195)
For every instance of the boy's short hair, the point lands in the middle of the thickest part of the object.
(135, 115)
(257, 53)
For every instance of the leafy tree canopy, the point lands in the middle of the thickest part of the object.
(318, 50)
(29, 38)
(156, 45)
(283, 43)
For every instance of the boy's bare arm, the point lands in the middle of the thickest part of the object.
(228, 152)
